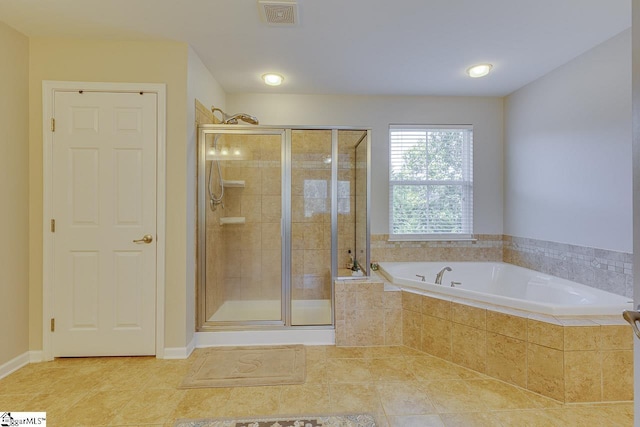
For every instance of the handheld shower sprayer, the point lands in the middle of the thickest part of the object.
(215, 200)
(228, 119)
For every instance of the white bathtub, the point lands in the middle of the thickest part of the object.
(506, 285)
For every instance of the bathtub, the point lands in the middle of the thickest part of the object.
(506, 285)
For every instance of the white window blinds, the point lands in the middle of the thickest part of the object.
(430, 182)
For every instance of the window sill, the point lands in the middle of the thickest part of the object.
(441, 238)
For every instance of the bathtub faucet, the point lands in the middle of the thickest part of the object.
(440, 274)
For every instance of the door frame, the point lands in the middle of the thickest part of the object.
(49, 90)
(635, 170)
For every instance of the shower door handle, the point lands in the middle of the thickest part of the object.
(147, 238)
(633, 317)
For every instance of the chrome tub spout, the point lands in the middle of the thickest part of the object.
(440, 274)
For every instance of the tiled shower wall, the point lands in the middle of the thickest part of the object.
(249, 253)
(600, 268)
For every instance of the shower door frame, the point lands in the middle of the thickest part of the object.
(202, 324)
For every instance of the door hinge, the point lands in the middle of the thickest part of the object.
(53, 124)
(53, 324)
(53, 225)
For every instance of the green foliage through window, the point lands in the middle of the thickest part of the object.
(431, 180)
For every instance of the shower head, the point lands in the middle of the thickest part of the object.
(233, 119)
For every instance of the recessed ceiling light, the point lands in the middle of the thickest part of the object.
(479, 70)
(272, 79)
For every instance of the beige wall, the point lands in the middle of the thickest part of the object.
(116, 61)
(14, 193)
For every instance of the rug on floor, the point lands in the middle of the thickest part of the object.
(247, 366)
(351, 420)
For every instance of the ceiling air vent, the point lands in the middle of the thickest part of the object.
(281, 12)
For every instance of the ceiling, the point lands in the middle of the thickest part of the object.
(365, 47)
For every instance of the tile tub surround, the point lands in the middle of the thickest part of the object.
(484, 247)
(600, 268)
(568, 359)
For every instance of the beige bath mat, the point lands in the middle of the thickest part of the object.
(247, 366)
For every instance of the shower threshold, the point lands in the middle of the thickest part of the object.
(303, 312)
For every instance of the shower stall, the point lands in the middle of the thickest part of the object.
(282, 213)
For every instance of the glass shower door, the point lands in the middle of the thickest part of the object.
(282, 213)
(242, 245)
(311, 277)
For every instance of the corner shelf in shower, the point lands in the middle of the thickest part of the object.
(231, 183)
(232, 220)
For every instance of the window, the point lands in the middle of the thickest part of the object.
(430, 182)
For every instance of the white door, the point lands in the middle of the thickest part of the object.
(104, 198)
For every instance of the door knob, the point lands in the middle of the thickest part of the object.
(632, 317)
(147, 238)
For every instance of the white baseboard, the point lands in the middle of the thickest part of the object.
(274, 337)
(14, 364)
(240, 338)
(180, 352)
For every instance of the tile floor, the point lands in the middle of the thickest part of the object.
(401, 386)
